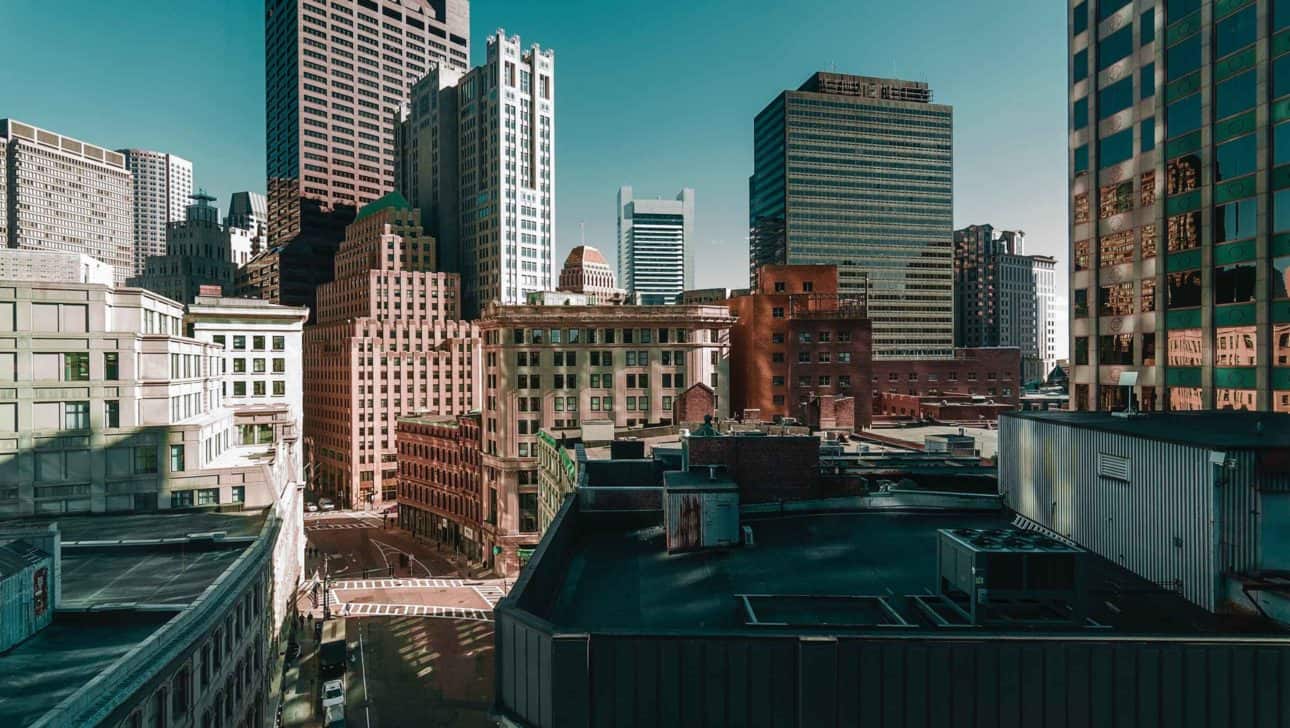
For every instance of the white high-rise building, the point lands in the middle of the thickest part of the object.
(248, 215)
(60, 193)
(477, 155)
(1044, 273)
(162, 185)
(656, 245)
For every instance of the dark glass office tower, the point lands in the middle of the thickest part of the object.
(858, 172)
(1180, 203)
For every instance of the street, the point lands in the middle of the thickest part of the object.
(419, 628)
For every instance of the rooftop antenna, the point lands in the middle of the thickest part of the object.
(582, 233)
(1128, 380)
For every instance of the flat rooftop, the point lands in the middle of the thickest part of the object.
(141, 575)
(987, 441)
(138, 526)
(1217, 429)
(625, 579)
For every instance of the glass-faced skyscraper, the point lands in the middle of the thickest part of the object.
(1180, 203)
(858, 172)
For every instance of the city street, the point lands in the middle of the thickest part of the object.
(419, 628)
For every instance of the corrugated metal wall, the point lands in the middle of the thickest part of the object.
(1169, 524)
(18, 619)
(625, 681)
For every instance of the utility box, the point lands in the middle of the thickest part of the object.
(1011, 575)
(26, 591)
(700, 509)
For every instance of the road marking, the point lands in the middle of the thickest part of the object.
(363, 657)
(490, 593)
(369, 609)
(363, 523)
(397, 583)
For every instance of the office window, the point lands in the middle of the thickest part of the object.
(239, 389)
(257, 342)
(1116, 148)
(279, 343)
(1280, 14)
(1280, 72)
(279, 388)
(1184, 289)
(176, 458)
(207, 496)
(1116, 300)
(76, 415)
(1115, 349)
(279, 365)
(76, 366)
(1147, 26)
(1079, 19)
(1116, 46)
(111, 366)
(1079, 303)
(258, 388)
(181, 499)
(1147, 134)
(239, 343)
(1281, 210)
(239, 366)
(1182, 116)
(1235, 31)
(238, 494)
(1234, 347)
(1280, 276)
(1234, 95)
(1079, 116)
(1235, 220)
(1148, 295)
(1081, 158)
(1081, 350)
(1234, 283)
(1148, 80)
(1116, 97)
(1185, 348)
(1182, 174)
(1083, 255)
(145, 459)
(1183, 58)
(528, 512)
(1183, 231)
(1079, 66)
(1236, 158)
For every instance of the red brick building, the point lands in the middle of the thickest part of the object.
(993, 373)
(766, 467)
(795, 340)
(440, 490)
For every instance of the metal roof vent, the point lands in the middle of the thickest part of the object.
(1008, 575)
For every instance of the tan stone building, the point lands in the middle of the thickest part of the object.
(388, 343)
(554, 366)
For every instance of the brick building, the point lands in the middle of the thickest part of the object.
(795, 340)
(440, 488)
(766, 467)
(990, 372)
(555, 366)
(387, 344)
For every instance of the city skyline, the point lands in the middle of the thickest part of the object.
(704, 126)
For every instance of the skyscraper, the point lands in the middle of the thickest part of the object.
(1180, 205)
(199, 251)
(477, 152)
(335, 74)
(857, 172)
(249, 211)
(162, 186)
(656, 245)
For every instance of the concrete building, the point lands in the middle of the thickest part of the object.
(64, 194)
(389, 342)
(249, 211)
(52, 266)
(334, 75)
(440, 489)
(199, 252)
(163, 184)
(1177, 206)
(800, 349)
(477, 155)
(554, 367)
(587, 272)
(1194, 501)
(1004, 297)
(857, 172)
(656, 245)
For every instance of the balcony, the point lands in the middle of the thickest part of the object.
(827, 306)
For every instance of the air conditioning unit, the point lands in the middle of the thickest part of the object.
(1011, 575)
(748, 536)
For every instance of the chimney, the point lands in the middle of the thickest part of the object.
(213, 291)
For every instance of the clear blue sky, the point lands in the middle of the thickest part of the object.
(657, 95)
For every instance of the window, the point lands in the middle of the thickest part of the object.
(257, 365)
(1234, 347)
(844, 357)
(1108, 7)
(218, 340)
(176, 458)
(279, 388)
(111, 366)
(279, 365)
(1147, 139)
(239, 343)
(1234, 283)
(1115, 300)
(1115, 349)
(1079, 67)
(1234, 95)
(1280, 72)
(179, 692)
(1147, 26)
(1235, 158)
(1118, 45)
(1184, 289)
(1235, 220)
(1079, 20)
(257, 342)
(1281, 210)
(1081, 158)
(1281, 141)
(76, 366)
(76, 415)
(1116, 97)
(1116, 148)
(1080, 303)
(181, 499)
(208, 496)
(777, 312)
(145, 459)
(1182, 174)
(239, 366)
(528, 512)
(1280, 277)
(1185, 348)
(1079, 114)
(1081, 350)
(112, 413)
(1280, 14)
(279, 343)
(1182, 116)
(1235, 31)
(239, 389)
(238, 493)
(1183, 231)
(803, 357)
(258, 388)
(1148, 81)
(1183, 58)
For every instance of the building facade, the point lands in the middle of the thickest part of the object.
(990, 375)
(163, 184)
(795, 340)
(857, 172)
(477, 154)
(199, 252)
(440, 487)
(587, 272)
(554, 367)
(389, 342)
(249, 213)
(1003, 297)
(1177, 206)
(64, 194)
(656, 245)
(334, 75)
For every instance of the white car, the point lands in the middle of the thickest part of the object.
(311, 507)
(326, 504)
(333, 693)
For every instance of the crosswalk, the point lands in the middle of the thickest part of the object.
(354, 609)
(398, 583)
(320, 525)
(490, 593)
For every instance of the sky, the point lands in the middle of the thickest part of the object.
(657, 95)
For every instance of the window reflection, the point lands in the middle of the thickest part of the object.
(1148, 350)
(1234, 347)
(1115, 349)
(1281, 344)
(1115, 300)
(1185, 347)
(1183, 399)
(1081, 208)
(1281, 401)
(1149, 188)
(1182, 174)
(1184, 289)
(1281, 277)
(1081, 255)
(1080, 301)
(1116, 249)
(1149, 241)
(1081, 349)
(1183, 231)
(1237, 399)
(1115, 199)
(1148, 295)
(1234, 283)
(1235, 220)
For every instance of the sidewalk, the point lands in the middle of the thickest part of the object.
(300, 696)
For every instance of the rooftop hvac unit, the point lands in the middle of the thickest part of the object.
(748, 536)
(1007, 575)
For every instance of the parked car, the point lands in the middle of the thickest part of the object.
(311, 507)
(333, 693)
(326, 504)
(335, 716)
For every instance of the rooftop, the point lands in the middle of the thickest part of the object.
(623, 579)
(1216, 429)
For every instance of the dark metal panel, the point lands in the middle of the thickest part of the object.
(1267, 692)
(542, 714)
(623, 679)
(533, 663)
(1032, 686)
(962, 677)
(784, 667)
(871, 688)
(1010, 687)
(600, 675)
(849, 687)
(1242, 705)
(1220, 676)
(520, 645)
(893, 686)
(1172, 687)
(1055, 684)
(1078, 688)
(738, 682)
(1196, 691)
(1101, 691)
(504, 645)
(1148, 688)
(817, 682)
(669, 694)
(692, 683)
(569, 693)
(941, 661)
(715, 685)
(1125, 707)
(916, 681)
(987, 687)
(759, 685)
(647, 682)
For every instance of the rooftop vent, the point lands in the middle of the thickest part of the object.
(1007, 575)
